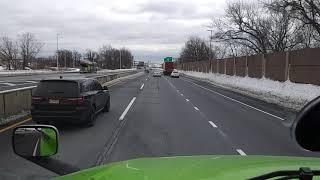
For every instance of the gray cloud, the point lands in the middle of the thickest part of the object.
(150, 29)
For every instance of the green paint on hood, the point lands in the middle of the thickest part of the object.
(194, 167)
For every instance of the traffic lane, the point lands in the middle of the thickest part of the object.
(255, 132)
(161, 123)
(274, 109)
(78, 145)
(81, 146)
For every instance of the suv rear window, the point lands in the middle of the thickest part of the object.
(57, 89)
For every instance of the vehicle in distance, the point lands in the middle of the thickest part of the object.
(87, 66)
(175, 73)
(156, 74)
(69, 101)
(168, 68)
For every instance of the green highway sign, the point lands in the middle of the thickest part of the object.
(168, 59)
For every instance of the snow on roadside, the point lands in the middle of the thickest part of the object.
(5, 72)
(287, 94)
(115, 70)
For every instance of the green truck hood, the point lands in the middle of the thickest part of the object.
(194, 167)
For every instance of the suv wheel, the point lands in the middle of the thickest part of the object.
(92, 117)
(107, 106)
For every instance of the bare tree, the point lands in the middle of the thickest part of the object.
(305, 11)
(109, 57)
(91, 55)
(242, 26)
(29, 48)
(253, 28)
(8, 52)
(76, 56)
(195, 49)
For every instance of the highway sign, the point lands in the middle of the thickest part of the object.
(168, 59)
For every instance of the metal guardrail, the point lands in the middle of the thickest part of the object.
(18, 100)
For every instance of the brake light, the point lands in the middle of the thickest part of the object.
(72, 101)
(36, 100)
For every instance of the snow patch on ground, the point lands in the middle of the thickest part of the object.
(115, 70)
(6, 72)
(8, 119)
(287, 94)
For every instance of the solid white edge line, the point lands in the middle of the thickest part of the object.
(241, 152)
(196, 108)
(31, 82)
(142, 87)
(212, 124)
(35, 148)
(238, 101)
(127, 109)
(8, 84)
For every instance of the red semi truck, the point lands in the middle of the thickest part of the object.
(168, 68)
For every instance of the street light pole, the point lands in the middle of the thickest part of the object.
(210, 43)
(120, 58)
(57, 51)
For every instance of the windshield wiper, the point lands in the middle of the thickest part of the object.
(304, 173)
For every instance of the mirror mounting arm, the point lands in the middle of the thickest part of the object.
(53, 165)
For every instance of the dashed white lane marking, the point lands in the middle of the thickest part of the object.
(187, 100)
(31, 81)
(127, 109)
(35, 149)
(196, 108)
(8, 84)
(212, 124)
(241, 152)
(146, 79)
(237, 101)
(142, 87)
(181, 94)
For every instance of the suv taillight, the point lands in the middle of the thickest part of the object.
(72, 101)
(36, 100)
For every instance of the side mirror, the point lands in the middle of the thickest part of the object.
(305, 128)
(35, 140)
(105, 88)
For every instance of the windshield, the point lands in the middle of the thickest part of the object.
(165, 78)
(57, 89)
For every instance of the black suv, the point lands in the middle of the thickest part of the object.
(69, 100)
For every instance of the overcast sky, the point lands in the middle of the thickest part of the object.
(151, 29)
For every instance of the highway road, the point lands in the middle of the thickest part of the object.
(162, 116)
(15, 82)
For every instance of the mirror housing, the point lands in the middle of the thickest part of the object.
(35, 140)
(305, 129)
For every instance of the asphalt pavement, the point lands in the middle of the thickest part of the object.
(163, 116)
